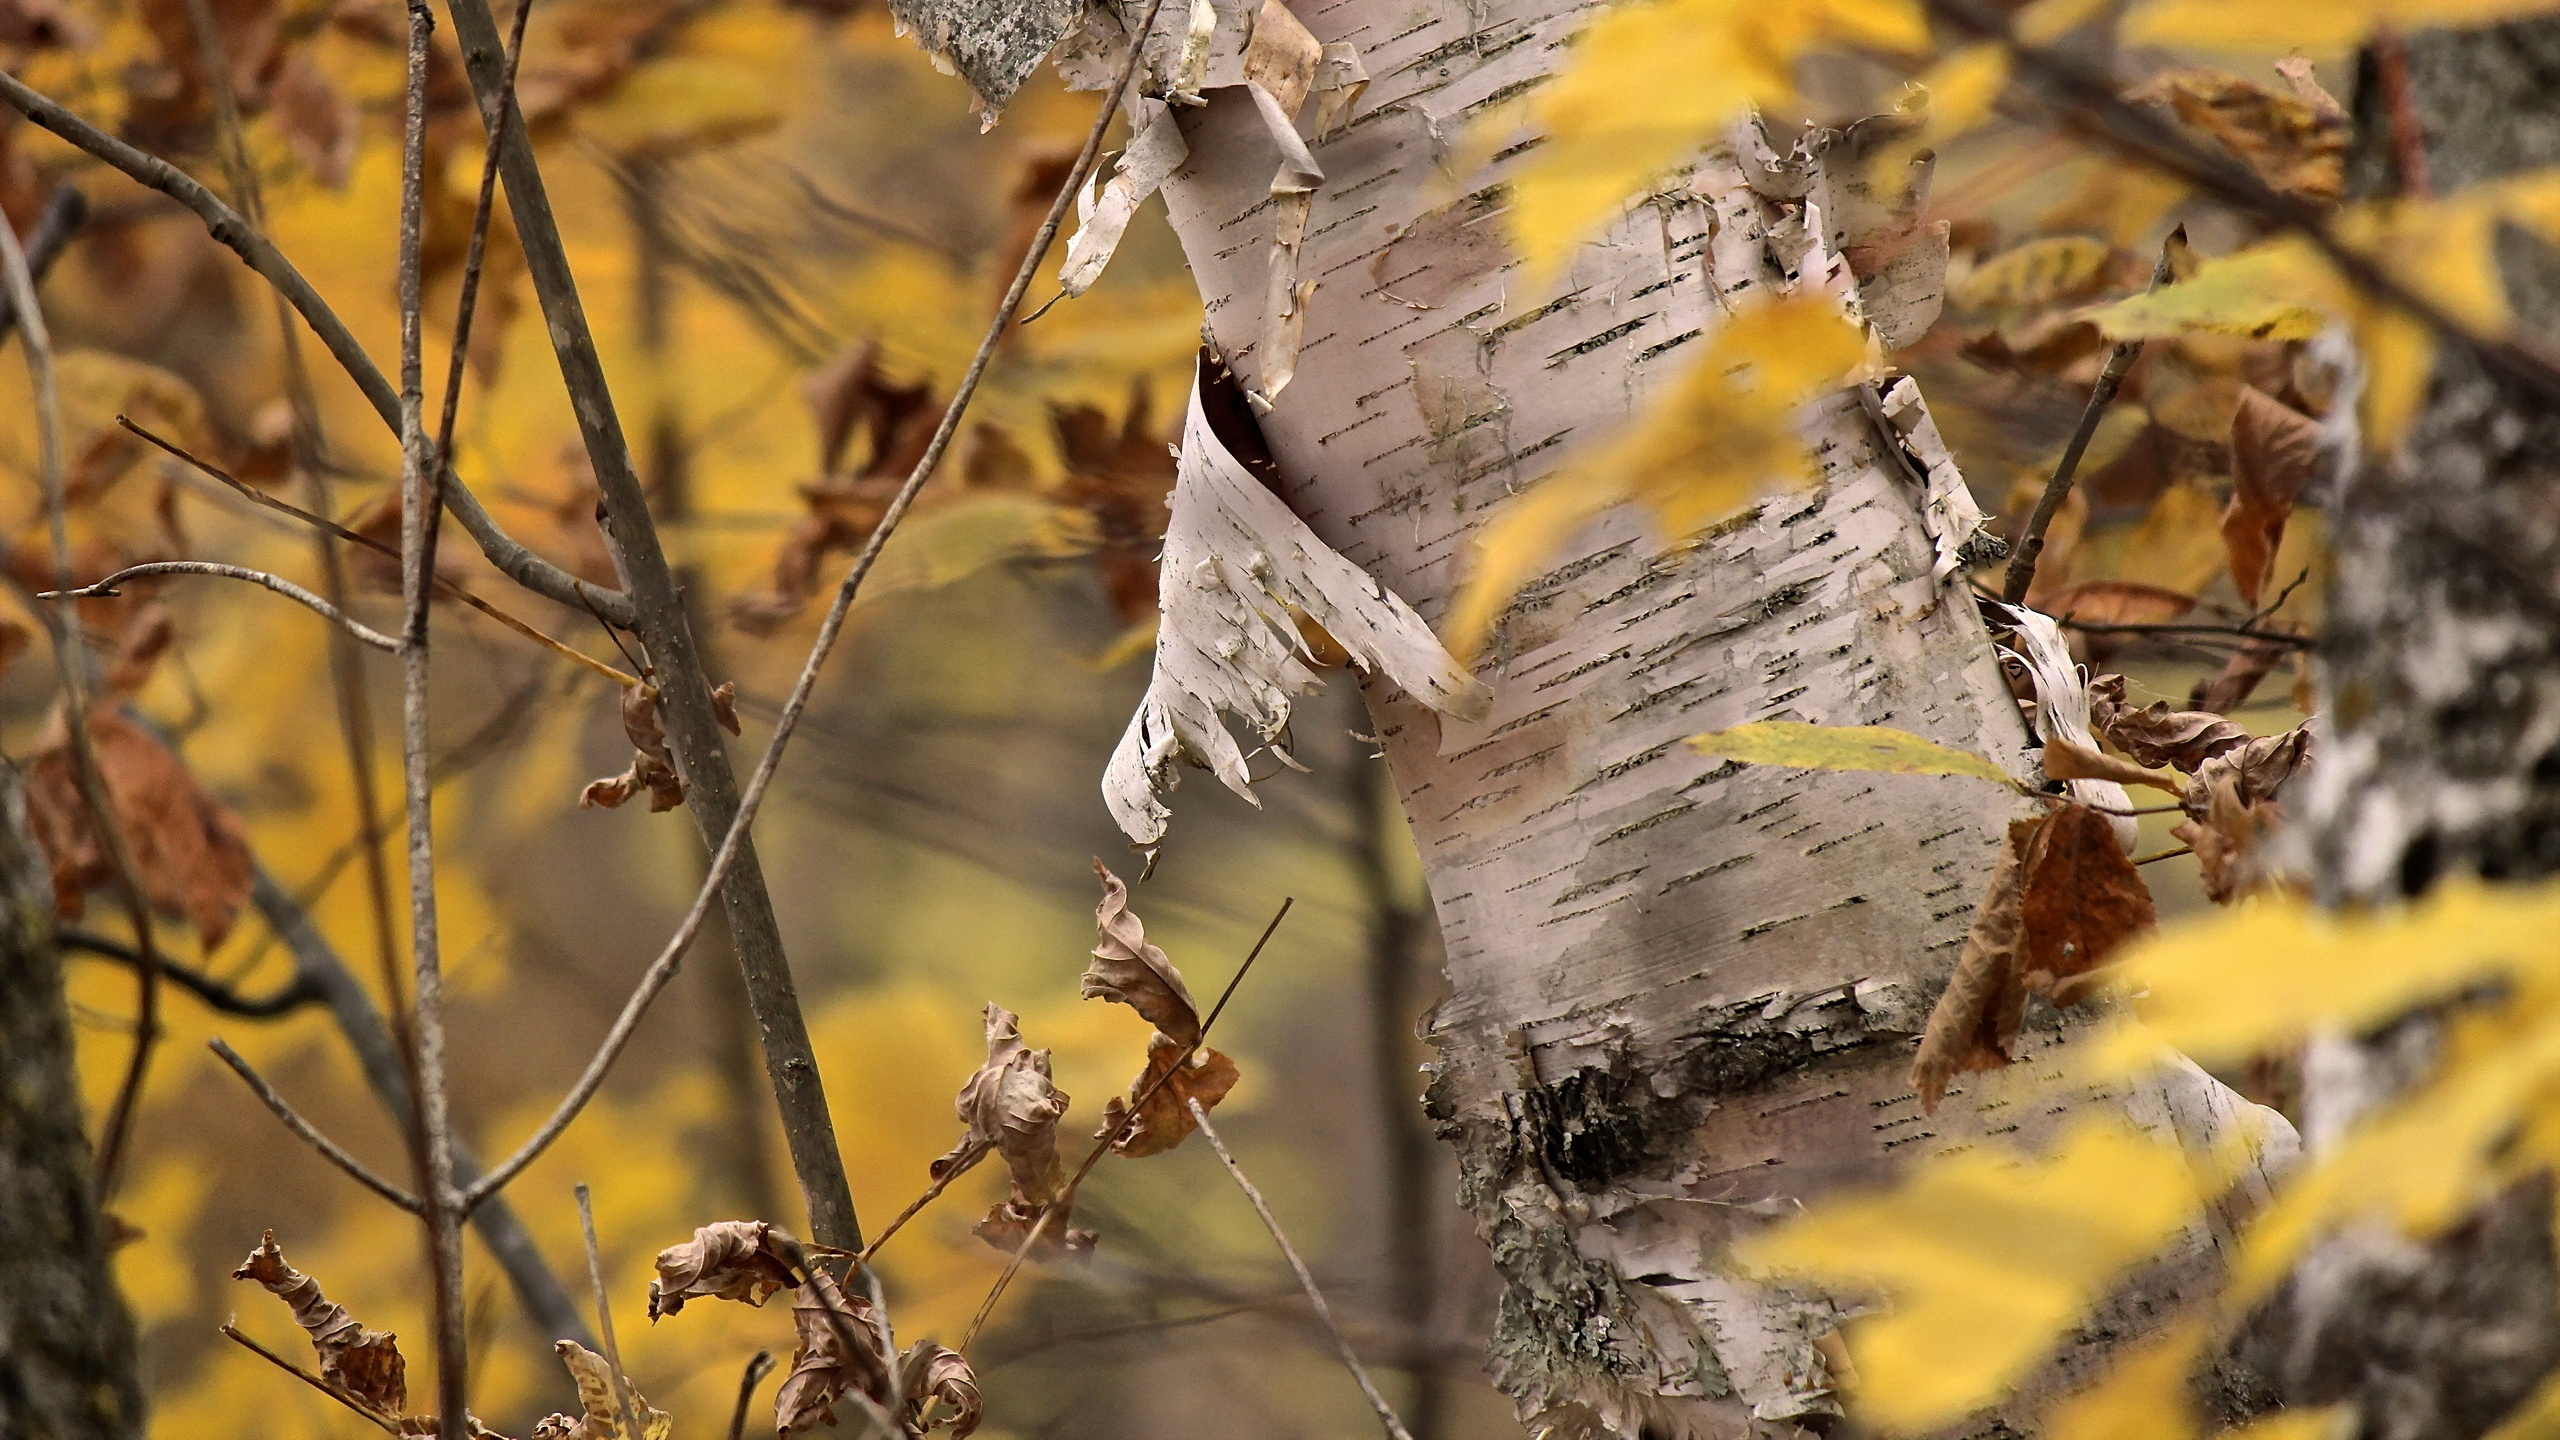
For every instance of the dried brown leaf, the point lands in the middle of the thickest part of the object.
(2275, 450)
(2293, 144)
(193, 861)
(724, 706)
(1010, 1107)
(2066, 761)
(1164, 1117)
(366, 1362)
(2157, 735)
(2248, 665)
(2118, 602)
(823, 1368)
(725, 1260)
(928, 1372)
(653, 765)
(1977, 1016)
(2081, 899)
(14, 640)
(601, 1416)
(1128, 969)
(1007, 1224)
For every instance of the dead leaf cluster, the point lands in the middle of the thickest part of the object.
(363, 1368)
(1127, 968)
(1011, 1109)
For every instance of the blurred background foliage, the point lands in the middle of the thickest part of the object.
(788, 230)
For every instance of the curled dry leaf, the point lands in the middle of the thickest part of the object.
(2064, 760)
(2295, 144)
(1012, 1109)
(653, 765)
(2228, 834)
(928, 1372)
(725, 1260)
(1978, 1013)
(1126, 968)
(2275, 450)
(1008, 1224)
(2157, 735)
(1164, 1116)
(838, 1352)
(187, 846)
(2081, 898)
(600, 1416)
(2241, 674)
(724, 706)
(365, 1362)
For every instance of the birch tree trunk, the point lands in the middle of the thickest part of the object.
(67, 1367)
(2441, 660)
(1683, 991)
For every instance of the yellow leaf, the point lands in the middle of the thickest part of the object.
(2142, 1396)
(1699, 449)
(2263, 975)
(2275, 291)
(1961, 90)
(2280, 25)
(2333, 1422)
(1652, 84)
(2046, 21)
(1989, 1261)
(2178, 546)
(2037, 273)
(1874, 748)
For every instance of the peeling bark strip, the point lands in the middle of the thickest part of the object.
(1683, 991)
(66, 1341)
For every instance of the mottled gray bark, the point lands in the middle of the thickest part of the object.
(2442, 662)
(1683, 992)
(67, 1368)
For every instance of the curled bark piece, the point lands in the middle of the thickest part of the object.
(1284, 311)
(366, 1362)
(1957, 534)
(2062, 707)
(1235, 560)
(1339, 80)
(1155, 150)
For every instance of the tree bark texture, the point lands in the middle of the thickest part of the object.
(1683, 991)
(67, 1363)
(2441, 658)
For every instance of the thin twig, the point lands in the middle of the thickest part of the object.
(663, 968)
(2243, 632)
(1103, 1143)
(106, 590)
(228, 227)
(62, 218)
(310, 1134)
(252, 493)
(2400, 111)
(1306, 1281)
(2022, 565)
(931, 1193)
(71, 658)
(339, 1393)
(2164, 855)
(757, 1368)
(296, 993)
(604, 1316)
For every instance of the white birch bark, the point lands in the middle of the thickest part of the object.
(1683, 991)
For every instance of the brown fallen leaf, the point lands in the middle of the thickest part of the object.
(653, 765)
(2294, 144)
(2066, 761)
(2275, 450)
(601, 1416)
(823, 1368)
(1122, 477)
(2157, 735)
(2118, 602)
(2248, 665)
(187, 846)
(1977, 1015)
(1164, 1117)
(2229, 837)
(366, 1362)
(1012, 1109)
(725, 1260)
(724, 706)
(1128, 969)
(928, 1372)
(2260, 769)
(2081, 898)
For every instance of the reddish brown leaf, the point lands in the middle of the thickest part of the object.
(2231, 810)
(825, 1367)
(1128, 969)
(366, 1362)
(653, 765)
(929, 1372)
(2275, 450)
(725, 1260)
(2248, 665)
(2081, 898)
(1164, 1118)
(2118, 602)
(1977, 1015)
(1123, 478)
(193, 861)
(2157, 735)
(317, 118)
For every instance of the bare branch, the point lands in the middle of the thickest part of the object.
(604, 1316)
(338, 1393)
(757, 1368)
(62, 218)
(70, 653)
(330, 1150)
(106, 590)
(226, 225)
(295, 994)
(1306, 1281)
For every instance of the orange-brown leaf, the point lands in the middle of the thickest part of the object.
(192, 859)
(2275, 450)
(2081, 898)
(928, 1372)
(2294, 144)
(1164, 1116)
(837, 1353)
(366, 1362)
(653, 765)
(1128, 969)
(1977, 1015)
(725, 1260)
(2118, 602)
(2066, 761)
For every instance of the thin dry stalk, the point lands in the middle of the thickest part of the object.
(663, 969)
(478, 249)
(1306, 1281)
(604, 1316)
(1102, 1144)
(330, 1150)
(338, 1393)
(757, 1369)
(106, 589)
(71, 657)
